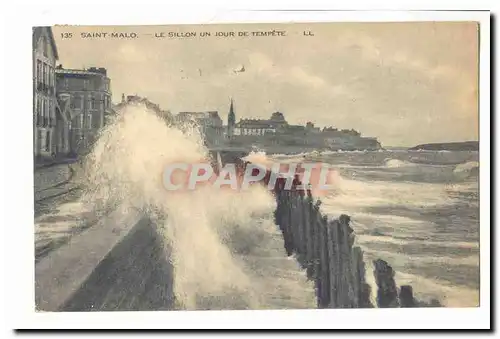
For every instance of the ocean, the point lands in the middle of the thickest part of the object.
(417, 210)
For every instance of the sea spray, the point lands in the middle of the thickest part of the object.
(467, 170)
(125, 169)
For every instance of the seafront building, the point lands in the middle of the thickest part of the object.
(45, 57)
(274, 124)
(84, 99)
(69, 105)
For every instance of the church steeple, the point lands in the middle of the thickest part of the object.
(231, 120)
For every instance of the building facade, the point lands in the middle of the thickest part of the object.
(84, 96)
(254, 127)
(44, 92)
(209, 123)
(275, 124)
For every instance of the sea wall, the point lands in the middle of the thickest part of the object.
(325, 248)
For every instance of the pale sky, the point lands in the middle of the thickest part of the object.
(405, 83)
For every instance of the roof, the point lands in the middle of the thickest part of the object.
(255, 122)
(296, 127)
(77, 72)
(37, 33)
(278, 116)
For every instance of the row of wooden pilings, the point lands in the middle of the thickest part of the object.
(325, 249)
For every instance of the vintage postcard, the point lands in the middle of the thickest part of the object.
(322, 165)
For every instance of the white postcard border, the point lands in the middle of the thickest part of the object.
(18, 225)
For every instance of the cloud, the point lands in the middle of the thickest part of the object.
(298, 74)
(404, 83)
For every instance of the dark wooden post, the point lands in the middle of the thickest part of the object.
(295, 219)
(324, 266)
(308, 234)
(314, 242)
(333, 262)
(362, 289)
(387, 295)
(406, 296)
(287, 229)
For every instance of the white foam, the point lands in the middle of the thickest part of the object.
(370, 239)
(425, 289)
(447, 293)
(400, 260)
(396, 163)
(208, 229)
(355, 195)
(466, 168)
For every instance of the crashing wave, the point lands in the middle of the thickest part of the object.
(396, 163)
(125, 169)
(467, 169)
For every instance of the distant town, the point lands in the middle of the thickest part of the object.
(70, 106)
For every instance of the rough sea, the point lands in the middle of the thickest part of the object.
(417, 210)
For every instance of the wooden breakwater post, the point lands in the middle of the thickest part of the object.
(325, 249)
(387, 294)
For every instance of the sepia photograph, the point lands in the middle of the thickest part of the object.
(256, 166)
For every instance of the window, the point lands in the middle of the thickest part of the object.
(40, 140)
(81, 120)
(75, 84)
(76, 102)
(42, 111)
(93, 103)
(51, 76)
(44, 76)
(47, 141)
(47, 108)
(39, 106)
(69, 125)
(74, 123)
(44, 47)
(36, 114)
(48, 137)
(39, 70)
(89, 120)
